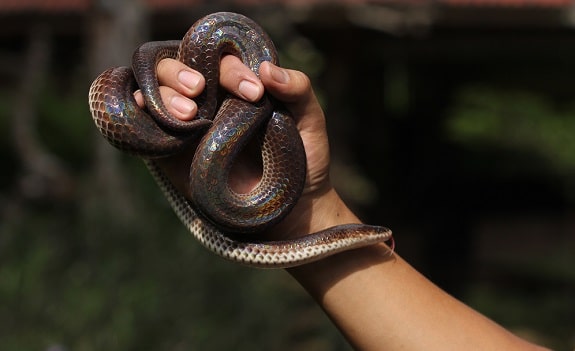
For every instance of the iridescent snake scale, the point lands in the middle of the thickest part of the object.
(224, 221)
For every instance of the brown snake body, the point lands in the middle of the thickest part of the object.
(222, 220)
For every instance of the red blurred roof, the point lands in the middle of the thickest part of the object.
(83, 5)
(509, 3)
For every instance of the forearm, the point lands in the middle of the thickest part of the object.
(380, 302)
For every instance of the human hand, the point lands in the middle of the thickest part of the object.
(319, 207)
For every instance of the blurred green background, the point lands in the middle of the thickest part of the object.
(453, 123)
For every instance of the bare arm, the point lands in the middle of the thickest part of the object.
(381, 303)
(377, 300)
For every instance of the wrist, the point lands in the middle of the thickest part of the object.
(323, 278)
(314, 212)
(319, 277)
(329, 210)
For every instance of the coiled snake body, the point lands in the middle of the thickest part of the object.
(224, 221)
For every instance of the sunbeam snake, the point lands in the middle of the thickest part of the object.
(224, 221)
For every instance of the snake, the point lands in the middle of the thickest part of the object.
(228, 223)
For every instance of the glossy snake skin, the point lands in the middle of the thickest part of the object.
(225, 222)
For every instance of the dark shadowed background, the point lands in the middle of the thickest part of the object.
(451, 122)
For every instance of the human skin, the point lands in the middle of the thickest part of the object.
(376, 299)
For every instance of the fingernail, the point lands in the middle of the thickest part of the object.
(189, 79)
(249, 90)
(182, 105)
(279, 74)
(139, 98)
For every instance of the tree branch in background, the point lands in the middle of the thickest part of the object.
(44, 175)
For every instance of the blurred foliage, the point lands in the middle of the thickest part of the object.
(540, 294)
(521, 120)
(61, 124)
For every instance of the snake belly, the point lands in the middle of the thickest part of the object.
(224, 221)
